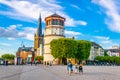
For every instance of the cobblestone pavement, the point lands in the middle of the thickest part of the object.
(41, 72)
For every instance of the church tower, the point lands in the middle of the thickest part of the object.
(38, 39)
(54, 29)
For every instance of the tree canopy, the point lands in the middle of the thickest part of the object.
(83, 50)
(70, 48)
(105, 53)
(8, 56)
(63, 48)
(108, 59)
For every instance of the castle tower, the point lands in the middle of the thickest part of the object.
(38, 39)
(54, 30)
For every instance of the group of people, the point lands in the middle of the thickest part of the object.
(78, 68)
(5, 62)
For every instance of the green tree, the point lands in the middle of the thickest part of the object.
(83, 50)
(8, 56)
(69, 48)
(108, 59)
(63, 48)
(39, 57)
(105, 53)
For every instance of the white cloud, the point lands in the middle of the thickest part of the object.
(25, 10)
(103, 40)
(5, 44)
(75, 6)
(71, 22)
(113, 13)
(12, 32)
(28, 32)
(102, 37)
(1, 30)
(10, 38)
(72, 34)
(106, 42)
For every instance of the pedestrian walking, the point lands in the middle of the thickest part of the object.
(69, 67)
(76, 68)
(35, 62)
(6, 62)
(81, 68)
(31, 63)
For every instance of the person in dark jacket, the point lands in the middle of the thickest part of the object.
(81, 68)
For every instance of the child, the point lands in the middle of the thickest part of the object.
(76, 68)
(81, 68)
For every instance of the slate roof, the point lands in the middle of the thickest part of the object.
(24, 49)
(97, 45)
(113, 50)
(55, 15)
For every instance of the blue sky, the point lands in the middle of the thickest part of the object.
(93, 20)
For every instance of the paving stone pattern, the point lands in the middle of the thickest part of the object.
(59, 72)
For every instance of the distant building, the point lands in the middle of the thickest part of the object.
(115, 47)
(114, 51)
(96, 50)
(23, 52)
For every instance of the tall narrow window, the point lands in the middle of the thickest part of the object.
(56, 22)
(61, 23)
(53, 22)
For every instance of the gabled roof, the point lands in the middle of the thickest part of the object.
(113, 50)
(95, 44)
(25, 49)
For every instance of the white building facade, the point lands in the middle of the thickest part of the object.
(114, 51)
(96, 50)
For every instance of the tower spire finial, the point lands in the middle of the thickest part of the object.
(39, 15)
(39, 29)
(22, 44)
